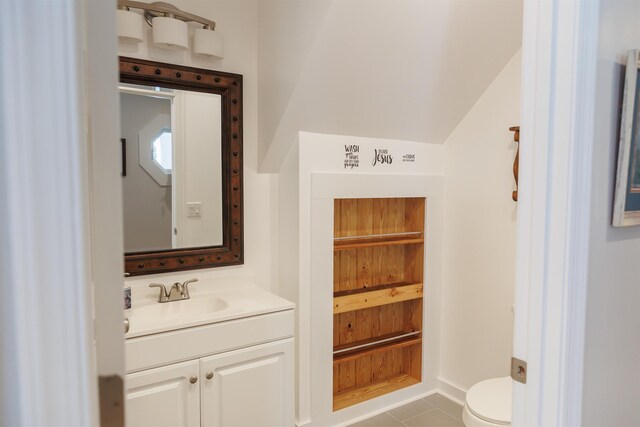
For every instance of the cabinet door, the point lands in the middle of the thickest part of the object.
(164, 397)
(249, 388)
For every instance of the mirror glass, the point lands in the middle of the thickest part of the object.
(171, 168)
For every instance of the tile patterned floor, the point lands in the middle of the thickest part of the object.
(433, 411)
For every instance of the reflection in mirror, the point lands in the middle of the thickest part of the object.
(172, 190)
(161, 150)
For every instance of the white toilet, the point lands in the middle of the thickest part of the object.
(488, 403)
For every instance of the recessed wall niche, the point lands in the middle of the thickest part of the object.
(378, 253)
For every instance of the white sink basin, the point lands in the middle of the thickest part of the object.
(208, 304)
(180, 309)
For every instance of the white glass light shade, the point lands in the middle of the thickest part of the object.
(130, 26)
(208, 42)
(170, 33)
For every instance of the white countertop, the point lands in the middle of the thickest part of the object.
(211, 301)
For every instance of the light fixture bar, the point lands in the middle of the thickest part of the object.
(167, 9)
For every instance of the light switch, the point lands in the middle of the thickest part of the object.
(193, 209)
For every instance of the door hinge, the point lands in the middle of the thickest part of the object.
(519, 370)
(111, 395)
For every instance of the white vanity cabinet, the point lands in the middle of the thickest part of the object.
(234, 371)
(249, 387)
(164, 396)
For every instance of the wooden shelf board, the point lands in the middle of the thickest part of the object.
(370, 391)
(344, 243)
(381, 348)
(374, 298)
(374, 237)
(370, 342)
(369, 289)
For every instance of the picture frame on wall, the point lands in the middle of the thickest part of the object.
(626, 209)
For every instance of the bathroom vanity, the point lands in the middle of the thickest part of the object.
(216, 353)
(224, 357)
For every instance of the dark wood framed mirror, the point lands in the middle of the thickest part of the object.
(192, 159)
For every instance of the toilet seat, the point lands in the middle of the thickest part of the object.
(488, 403)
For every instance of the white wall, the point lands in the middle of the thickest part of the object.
(612, 347)
(406, 70)
(237, 21)
(480, 236)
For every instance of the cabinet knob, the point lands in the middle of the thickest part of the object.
(209, 375)
(193, 380)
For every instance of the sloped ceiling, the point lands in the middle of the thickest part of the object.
(398, 69)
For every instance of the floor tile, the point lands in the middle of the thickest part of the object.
(434, 418)
(446, 405)
(382, 420)
(411, 409)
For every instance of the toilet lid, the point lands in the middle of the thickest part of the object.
(491, 400)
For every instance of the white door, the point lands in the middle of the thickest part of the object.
(164, 396)
(249, 387)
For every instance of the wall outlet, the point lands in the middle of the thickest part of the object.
(193, 209)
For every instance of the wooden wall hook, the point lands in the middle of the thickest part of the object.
(516, 138)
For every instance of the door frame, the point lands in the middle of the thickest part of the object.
(61, 249)
(49, 370)
(560, 44)
(104, 202)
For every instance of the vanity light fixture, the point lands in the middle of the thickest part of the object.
(170, 29)
(170, 33)
(208, 42)
(130, 26)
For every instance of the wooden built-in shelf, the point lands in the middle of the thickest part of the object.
(367, 298)
(369, 288)
(370, 342)
(380, 388)
(378, 275)
(375, 348)
(394, 336)
(375, 240)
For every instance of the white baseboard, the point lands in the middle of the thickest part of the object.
(443, 387)
(377, 406)
(452, 391)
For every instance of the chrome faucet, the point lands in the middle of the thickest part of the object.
(177, 292)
